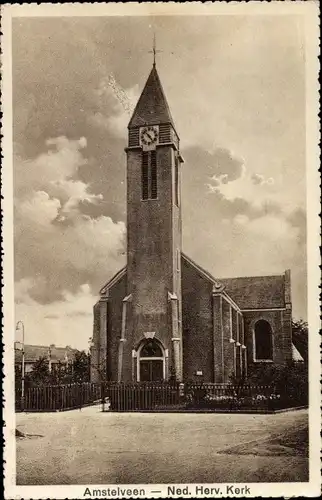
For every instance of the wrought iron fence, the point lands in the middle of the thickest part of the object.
(228, 397)
(141, 396)
(128, 396)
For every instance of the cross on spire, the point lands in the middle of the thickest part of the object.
(154, 50)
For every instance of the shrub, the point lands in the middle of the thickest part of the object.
(289, 381)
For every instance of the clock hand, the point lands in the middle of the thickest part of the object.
(149, 136)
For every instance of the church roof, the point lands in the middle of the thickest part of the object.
(256, 292)
(249, 292)
(152, 106)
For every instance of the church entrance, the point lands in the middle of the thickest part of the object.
(151, 362)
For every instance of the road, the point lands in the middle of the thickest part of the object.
(90, 447)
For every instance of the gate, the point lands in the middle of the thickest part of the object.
(141, 396)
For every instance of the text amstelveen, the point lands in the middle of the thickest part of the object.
(114, 492)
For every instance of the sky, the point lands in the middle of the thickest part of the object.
(236, 89)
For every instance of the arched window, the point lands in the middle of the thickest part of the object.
(151, 349)
(263, 348)
(151, 361)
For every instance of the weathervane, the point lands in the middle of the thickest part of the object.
(154, 50)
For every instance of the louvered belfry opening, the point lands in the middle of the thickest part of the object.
(134, 139)
(149, 175)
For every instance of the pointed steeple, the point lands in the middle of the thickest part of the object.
(152, 107)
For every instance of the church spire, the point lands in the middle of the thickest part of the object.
(152, 107)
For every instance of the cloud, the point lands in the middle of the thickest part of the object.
(39, 209)
(73, 192)
(115, 106)
(54, 239)
(260, 179)
(54, 323)
(245, 226)
(61, 161)
(226, 165)
(268, 227)
(253, 188)
(230, 188)
(47, 187)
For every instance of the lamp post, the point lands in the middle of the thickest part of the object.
(91, 345)
(18, 325)
(66, 367)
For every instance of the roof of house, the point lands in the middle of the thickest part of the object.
(296, 356)
(34, 352)
(152, 106)
(256, 292)
(300, 342)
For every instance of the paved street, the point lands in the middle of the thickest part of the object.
(90, 447)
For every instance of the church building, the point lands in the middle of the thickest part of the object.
(163, 317)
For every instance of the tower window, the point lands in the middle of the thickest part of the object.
(154, 181)
(145, 176)
(176, 181)
(149, 175)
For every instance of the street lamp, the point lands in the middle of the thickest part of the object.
(18, 325)
(90, 351)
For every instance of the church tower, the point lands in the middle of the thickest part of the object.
(162, 295)
(154, 234)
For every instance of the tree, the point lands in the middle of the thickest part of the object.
(81, 367)
(39, 374)
(290, 380)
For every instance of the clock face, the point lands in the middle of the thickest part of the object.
(149, 136)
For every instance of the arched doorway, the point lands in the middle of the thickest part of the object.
(151, 362)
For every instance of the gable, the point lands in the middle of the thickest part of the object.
(115, 279)
(202, 272)
(256, 292)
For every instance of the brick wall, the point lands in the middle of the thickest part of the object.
(116, 295)
(280, 322)
(198, 351)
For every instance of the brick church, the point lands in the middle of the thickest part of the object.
(162, 316)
